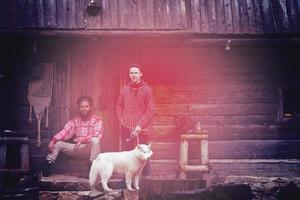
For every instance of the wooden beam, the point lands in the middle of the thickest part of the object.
(183, 158)
(196, 168)
(185, 35)
(13, 140)
(14, 170)
(194, 136)
(238, 149)
(24, 152)
(211, 161)
(204, 152)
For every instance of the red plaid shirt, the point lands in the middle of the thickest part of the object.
(76, 128)
(136, 105)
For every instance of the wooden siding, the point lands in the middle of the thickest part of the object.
(201, 16)
(233, 94)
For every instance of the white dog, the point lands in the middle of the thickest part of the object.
(129, 163)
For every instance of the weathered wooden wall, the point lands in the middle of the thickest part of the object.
(203, 16)
(233, 94)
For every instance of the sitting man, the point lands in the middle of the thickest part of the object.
(85, 130)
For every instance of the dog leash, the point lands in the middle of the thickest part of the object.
(132, 137)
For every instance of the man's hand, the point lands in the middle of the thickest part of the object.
(136, 131)
(78, 143)
(122, 121)
(51, 145)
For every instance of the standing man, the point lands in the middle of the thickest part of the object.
(135, 110)
(84, 130)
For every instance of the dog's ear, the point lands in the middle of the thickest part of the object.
(149, 145)
(139, 147)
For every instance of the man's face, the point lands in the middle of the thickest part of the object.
(84, 108)
(135, 75)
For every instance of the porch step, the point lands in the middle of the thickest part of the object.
(84, 195)
(157, 188)
(60, 182)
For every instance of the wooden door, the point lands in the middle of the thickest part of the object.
(93, 72)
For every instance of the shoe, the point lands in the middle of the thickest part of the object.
(46, 168)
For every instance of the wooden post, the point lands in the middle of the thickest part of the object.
(183, 159)
(24, 153)
(24, 156)
(204, 152)
(3, 150)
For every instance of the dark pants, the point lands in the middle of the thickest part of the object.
(130, 145)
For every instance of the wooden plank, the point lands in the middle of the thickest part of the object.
(281, 18)
(5, 12)
(258, 16)
(228, 16)
(283, 10)
(40, 13)
(195, 168)
(242, 149)
(236, 16)
(276, 170)
(11, 14)
(145, 11)
(220, 16)
(216, 97)
(212, 61)
(174, 89)
(212, 120)
(71, 14)
(30, 14)
(109, 14)
(213, 95)
(298, 6)
(20, 13)
(195, 15)
(268, 14)
(255, 167)
(128, 15)
(244, 22)
(250, 16)
(183, 157)
(162, 14)
(80, 14)
(198, 136)
(13, 139)
(204, 23)
(221, 132)
(14, 171)
(293, 15)
(50, 13)
(24, 156)
(152, 188)
(179, 18)
(3, 153)
(217, 109)
(257, 161)
(197, 78)
(62, 9)
(212, 16)
(255, 149)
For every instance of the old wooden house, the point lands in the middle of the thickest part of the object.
(231, 66)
